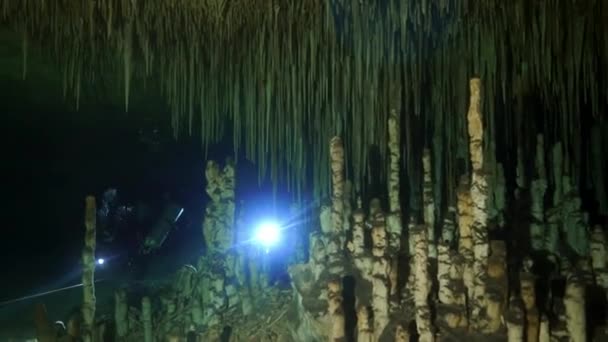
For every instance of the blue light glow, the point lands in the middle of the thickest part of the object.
(101, 261)
(268, 234)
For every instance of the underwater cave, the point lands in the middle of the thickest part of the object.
(321, 170)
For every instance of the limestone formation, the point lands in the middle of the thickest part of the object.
(447, 274)
(88, 272)
(429, 203)
(574, 304)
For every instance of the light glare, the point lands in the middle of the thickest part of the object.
(100, 261)
(268, 234)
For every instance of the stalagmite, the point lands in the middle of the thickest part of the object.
(599, 260)
(497, 286)
(537, 193)
(429, 204)
(475, 126)
(465, 241)
(575, 221)
(515, 321)
(380, 276)
(394, 145)
(479, 196)
(336, 152)
(88, 272)
(554, 214)
(401, 334)
(422, 286)
(218, 264)
(451, 309)
(544, 333)
(443, 273)
(363, 265)
(528, 295)
(559, 327)
(461, 319)
(121, 313)
(280, 77)
(393, 220)
(364, 329)
(357, 245)
(574, 303)
(146, 318)
(447, 232)
(336, 312)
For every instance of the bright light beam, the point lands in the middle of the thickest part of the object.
(101, 261)
(268, 234)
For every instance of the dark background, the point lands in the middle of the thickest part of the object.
(53, 155)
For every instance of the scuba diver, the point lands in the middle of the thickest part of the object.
(130, 232)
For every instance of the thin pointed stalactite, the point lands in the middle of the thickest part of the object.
(288, 76)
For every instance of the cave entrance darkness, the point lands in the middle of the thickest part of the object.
(348, 304)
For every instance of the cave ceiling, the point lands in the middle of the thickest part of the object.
(283, 77)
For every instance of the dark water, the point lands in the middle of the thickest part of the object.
(52, 160)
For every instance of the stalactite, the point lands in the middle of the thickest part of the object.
(24, 54)
(361, 50)
(88, 272)
(127, 42)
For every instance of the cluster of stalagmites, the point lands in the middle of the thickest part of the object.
(451, 280)
(216, 299)
(381, 275)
